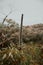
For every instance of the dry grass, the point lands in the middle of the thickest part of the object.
(10, 54)
(28, 55)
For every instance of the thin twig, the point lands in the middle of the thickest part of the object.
(6, 17)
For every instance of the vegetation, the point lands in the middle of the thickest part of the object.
(30, 53)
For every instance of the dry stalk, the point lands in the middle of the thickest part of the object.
(6, 17)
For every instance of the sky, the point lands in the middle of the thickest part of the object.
(32, 10)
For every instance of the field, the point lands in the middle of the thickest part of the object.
(30, 52)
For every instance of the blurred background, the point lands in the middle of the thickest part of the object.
(32, 10)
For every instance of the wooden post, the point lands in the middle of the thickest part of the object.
(20, 40)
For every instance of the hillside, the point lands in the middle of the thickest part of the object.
(33, 33)
(30, 34)
(29, 53)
